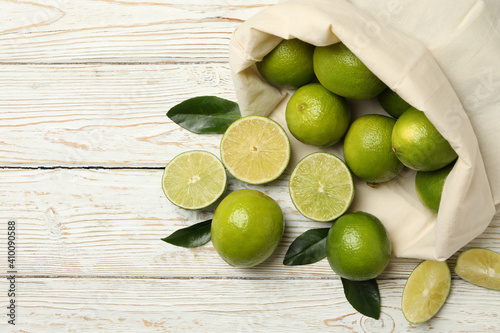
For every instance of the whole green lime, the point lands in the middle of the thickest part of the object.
(429, 186)
(368, 149)
(418, 144)
(316, 116)
(288, 65)
(358, 246)
(247, 227)
(392, 103)
(341, 71)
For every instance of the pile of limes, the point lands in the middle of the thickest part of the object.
(375, 147)
(248, 225)
(256, 150)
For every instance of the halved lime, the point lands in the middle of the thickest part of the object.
(194, 179)
(255, 149)
(480, 267)
(426, 291)
(321, 187)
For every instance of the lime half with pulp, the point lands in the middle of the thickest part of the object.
(194, 179)
(255, 149)
(321, 187)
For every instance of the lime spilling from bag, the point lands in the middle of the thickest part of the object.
(321, 187)
(358, 246)
(341, 72)
(480, 267)
(429, 186)
(247, 227)
(194, 179)
(426, 291)
(368, 149)
(316, 116)
(392, 103)
(288, 65)
(255, 149)
(418, 144)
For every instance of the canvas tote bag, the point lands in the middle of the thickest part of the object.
(442, 58)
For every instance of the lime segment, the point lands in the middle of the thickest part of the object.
(321, 187)
(426, 291)
(194, 179)
(480, 267)
(255, 149)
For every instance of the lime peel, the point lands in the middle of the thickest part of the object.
(289, 65)
(358, 246)
(247, 227)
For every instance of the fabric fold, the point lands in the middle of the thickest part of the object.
(406, 65)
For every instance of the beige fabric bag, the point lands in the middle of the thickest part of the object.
(442, 58)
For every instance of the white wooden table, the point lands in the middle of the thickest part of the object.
(84, 88)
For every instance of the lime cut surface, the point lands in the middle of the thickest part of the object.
(255, 149)
(321, 187)
(480, 267)
(426, 291)
(194, 179)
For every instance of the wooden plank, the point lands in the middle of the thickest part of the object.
(112, 115)
(63, 31)
(230, 305)
(75, 222)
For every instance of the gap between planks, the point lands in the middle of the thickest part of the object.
(105, 63)
(186, 277)
(178, 277)
(82, 167)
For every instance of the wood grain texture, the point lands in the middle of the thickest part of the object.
(104, 115)
(231, 305)
(83, 31)
(84, 88)
(109, 223)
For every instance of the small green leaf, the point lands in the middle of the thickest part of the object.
(193, 236)
(308, 248)
(205, 114)
(364, 296)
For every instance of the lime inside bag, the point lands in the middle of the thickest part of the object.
(442, 58)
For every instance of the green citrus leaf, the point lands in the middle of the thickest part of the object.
(192, 236)
(205, 114)
(308, 248)
(364, 296)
